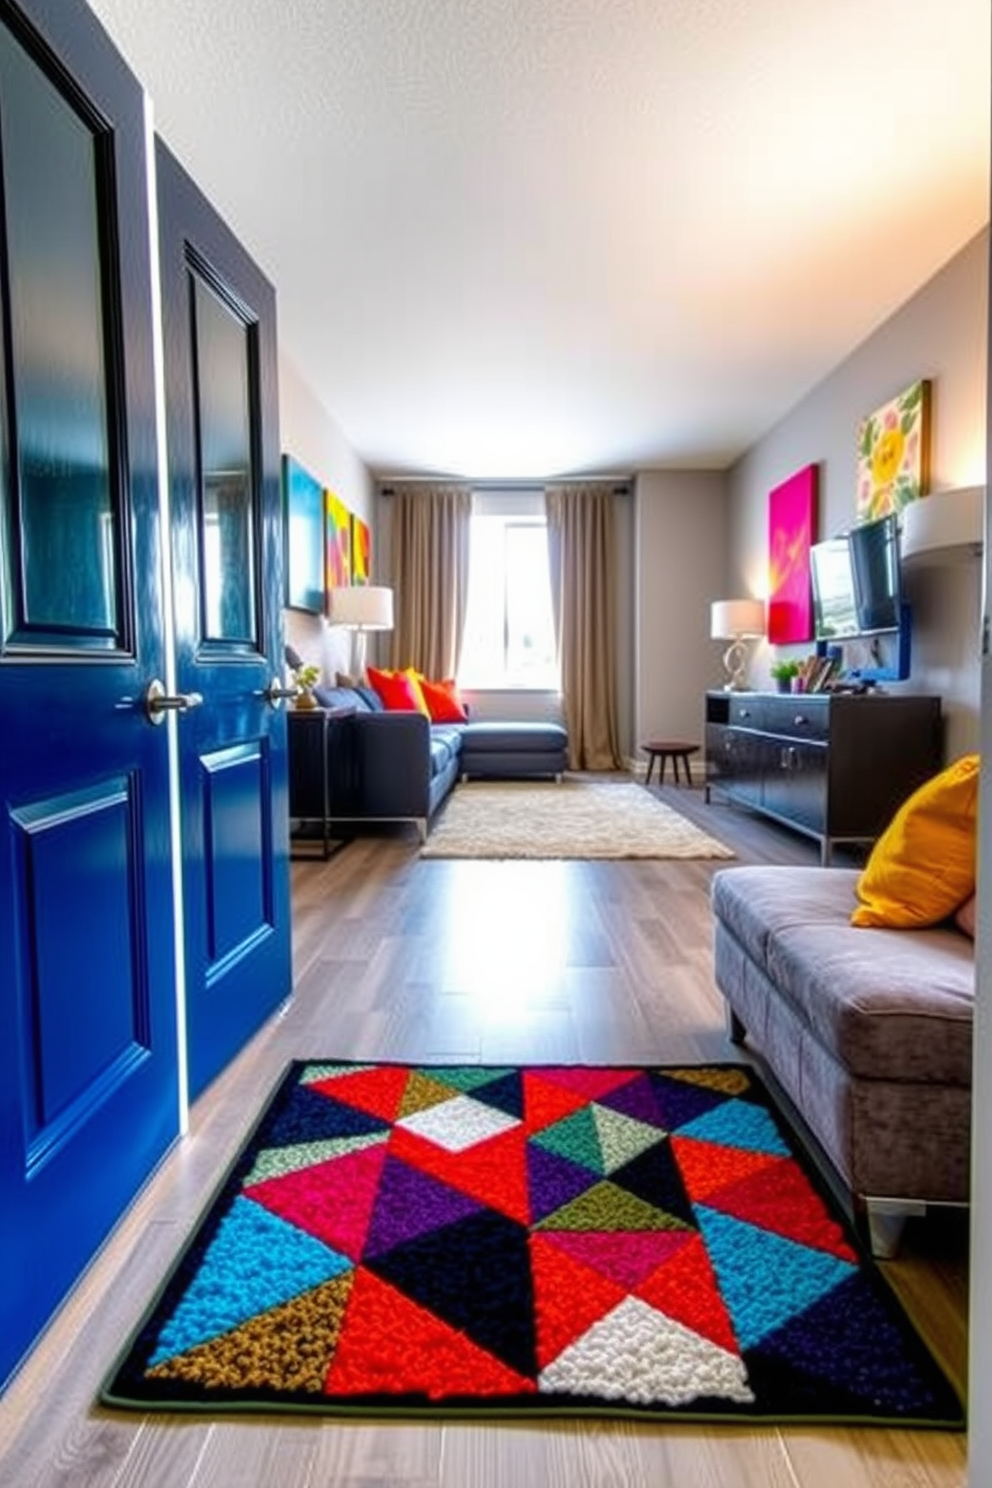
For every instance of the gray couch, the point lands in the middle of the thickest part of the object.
(867, 1031)
(398, 766)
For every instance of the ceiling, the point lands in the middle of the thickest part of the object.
(519, 238)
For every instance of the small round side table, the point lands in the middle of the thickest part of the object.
(669, 749)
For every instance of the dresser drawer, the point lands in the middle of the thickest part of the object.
(793, 716)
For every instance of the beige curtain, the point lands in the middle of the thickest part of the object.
(430, 549)
(582, 557)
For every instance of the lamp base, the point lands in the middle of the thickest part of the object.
(735, 661)
(359, 649)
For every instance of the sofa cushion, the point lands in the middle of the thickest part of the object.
(442, 699)
(399, 691)
(514, 738)
(923, 866)
(888, 1004)
(346, 697)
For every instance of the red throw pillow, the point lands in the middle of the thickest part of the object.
(398, 691)
(443, 703)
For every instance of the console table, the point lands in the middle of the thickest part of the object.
(314, 735)
(835, 766)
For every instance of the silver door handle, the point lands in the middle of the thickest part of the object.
(275, 692)
(158, 702)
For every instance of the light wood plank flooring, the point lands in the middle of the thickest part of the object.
(401, 959)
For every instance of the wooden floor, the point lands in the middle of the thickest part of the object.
(401, 959)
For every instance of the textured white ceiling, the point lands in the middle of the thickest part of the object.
(534, 237)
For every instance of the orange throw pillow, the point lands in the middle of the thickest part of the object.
(399, 692)
(443, 703)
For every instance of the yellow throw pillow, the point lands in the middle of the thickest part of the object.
(923, 866)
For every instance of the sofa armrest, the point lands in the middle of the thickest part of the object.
(391, 765)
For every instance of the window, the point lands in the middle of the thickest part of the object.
(509, 630)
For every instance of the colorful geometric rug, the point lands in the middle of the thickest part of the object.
(466, 1239)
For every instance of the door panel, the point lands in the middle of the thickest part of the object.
(223, 456)
(88, 1059)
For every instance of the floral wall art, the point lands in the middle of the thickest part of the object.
(791, 515)
(894, 453)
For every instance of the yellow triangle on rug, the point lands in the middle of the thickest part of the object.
(572, 819)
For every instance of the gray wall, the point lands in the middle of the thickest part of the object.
(309, 433)
(940, 334)
(680, 561)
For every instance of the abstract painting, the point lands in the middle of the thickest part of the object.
(337, 567)
(361, 551)
(894, 454)
(303, 510)
(791, 514)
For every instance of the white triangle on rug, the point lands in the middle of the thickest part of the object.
(637, 1353)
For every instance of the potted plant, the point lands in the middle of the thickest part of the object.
(305, 677)
(784, 673)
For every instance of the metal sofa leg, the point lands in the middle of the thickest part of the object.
(881, 1222)
(736, 1031)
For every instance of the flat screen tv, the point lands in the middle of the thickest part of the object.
(835, 608)
(875, 565)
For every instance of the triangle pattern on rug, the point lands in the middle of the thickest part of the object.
(607, 1207)
(332, 1201)
(637, 1239)
(475, 1275)
(765, 1279)
(435, 1359)
(569, 1295)
(255, 1262)
(290, 1345)
(646, 1357)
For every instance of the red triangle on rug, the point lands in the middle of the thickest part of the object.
(568, 1297)
(333, 1201)
(379, 1092)
(494, 1171)
(780, 1198)
(708, 1166)
(626, 1259)
(390, 1345)
(685, 1288)
(546, 1102)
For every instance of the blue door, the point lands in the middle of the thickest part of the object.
(222, 421)
(88, 1056)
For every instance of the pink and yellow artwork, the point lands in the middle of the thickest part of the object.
(894, 453)
(791, 514)
(361, 551)
(337, 544)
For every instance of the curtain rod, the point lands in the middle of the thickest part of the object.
(621, 487)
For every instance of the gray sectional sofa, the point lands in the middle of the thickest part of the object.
(867, 1031)
(398, 766)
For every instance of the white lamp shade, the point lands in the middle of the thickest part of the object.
(732, 618)
(362, 607)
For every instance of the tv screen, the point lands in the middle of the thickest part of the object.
(835, 612)
(875, 562)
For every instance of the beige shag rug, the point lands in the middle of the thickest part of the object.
(576, 819)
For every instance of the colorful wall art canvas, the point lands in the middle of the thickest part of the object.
(894, 453)
(791, 514)
(337, 570)
(303, 512)
(361, 551)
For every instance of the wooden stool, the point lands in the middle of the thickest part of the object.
(665, 749)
